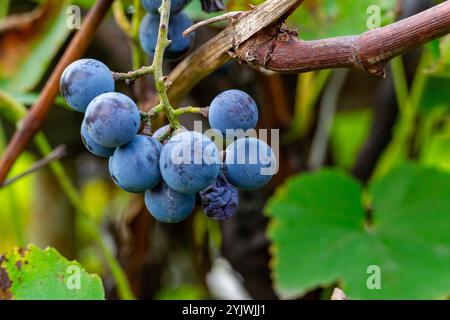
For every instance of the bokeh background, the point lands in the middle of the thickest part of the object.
(360, 127)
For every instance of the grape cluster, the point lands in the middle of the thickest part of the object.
(179, 22)
(185, 164)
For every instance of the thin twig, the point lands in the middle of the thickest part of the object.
(133, 75)
(157, 66)
(58, 153)
(232, 15)
(193, 110)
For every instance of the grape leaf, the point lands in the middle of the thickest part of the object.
(328, 18)
(35, 274)
(321, 234)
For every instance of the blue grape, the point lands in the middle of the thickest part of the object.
(93, 146)
(164, 130)
(175, 6)
(233, 109)
(83, 80)
(168, 205)
(112, 119)
(135, 166)
(212, 5)
(220, 200)
(245, 160)
(189, 162)
(148, 35)
(158, 134)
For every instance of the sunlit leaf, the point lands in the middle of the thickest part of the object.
(35, 274)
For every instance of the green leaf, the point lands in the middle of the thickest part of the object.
(40, 41)
(194, 10)
(35, 274)
(321, 234)
(350, 129)
(436, 93)
(437, 151)
(440, 53)
(330, 18)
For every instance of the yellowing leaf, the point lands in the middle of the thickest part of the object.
(35, 274)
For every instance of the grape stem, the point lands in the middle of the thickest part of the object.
(148, 117)
(160, 81)
(133, 75)
(230, 16)
(195, 110)
(156, 69)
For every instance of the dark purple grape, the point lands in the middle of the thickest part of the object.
(154, 5)
(220, 200)
(212, 5)
(180, 45)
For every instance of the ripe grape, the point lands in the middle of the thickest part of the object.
(154, 5)
(112, 119)
(83, 80)
(250, 163)
(158, 134)
(164, 130)
(168, 205)
(233, 109)
(212, 5)
(148, 35)
(93, 146)
(220, 200)
(135, 166)
(189, 162)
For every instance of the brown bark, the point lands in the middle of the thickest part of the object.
(214, 53)
(279, 49)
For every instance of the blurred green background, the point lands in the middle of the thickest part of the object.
(382, 199)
